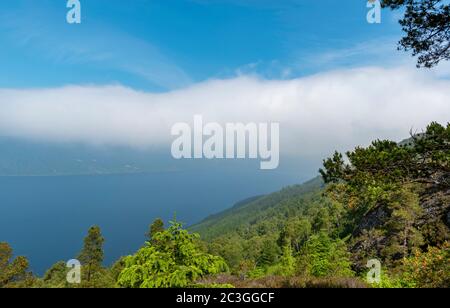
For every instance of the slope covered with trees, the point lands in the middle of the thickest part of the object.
(249, 212)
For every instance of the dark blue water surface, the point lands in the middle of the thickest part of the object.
(46, 218)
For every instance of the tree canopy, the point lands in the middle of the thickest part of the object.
(427, 27)
(424, 158)
(172, 260)
(91, 256)
(13, 272)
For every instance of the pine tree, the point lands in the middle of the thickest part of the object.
(12, 271)
(156, 227)
(91, 256)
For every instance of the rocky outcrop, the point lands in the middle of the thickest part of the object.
(375, 218)
(435, 220)
(369, 237)
(436, 206)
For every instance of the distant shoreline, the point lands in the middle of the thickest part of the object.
(87, 174)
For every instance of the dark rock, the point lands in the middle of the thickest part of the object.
(375, 218)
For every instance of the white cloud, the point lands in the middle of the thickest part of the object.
(320, 113)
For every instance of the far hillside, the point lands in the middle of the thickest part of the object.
(250, 212)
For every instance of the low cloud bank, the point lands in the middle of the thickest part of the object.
(317, 114)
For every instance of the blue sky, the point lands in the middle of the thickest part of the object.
(160, 45)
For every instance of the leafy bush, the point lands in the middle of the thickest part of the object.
(324, 257)
(430, 269)
(172, 260)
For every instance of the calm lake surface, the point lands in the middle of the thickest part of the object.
(46, 218)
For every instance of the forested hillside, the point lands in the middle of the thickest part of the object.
(250, 212)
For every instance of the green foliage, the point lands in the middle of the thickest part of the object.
(117, 268)
(389, 282)
(286, 264)
(56, 276)
(423, 269)
(430, 269)
(13, 272)
(405, 209)
(156, 227)
(381, 187)
(269, 253)
(252, 237)
(295, 233)
(255, 214)
(384, 164)
(432, 151)
(324, 257)
(230, 248)
(91, 256)
(172, 261)
(427, 27)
